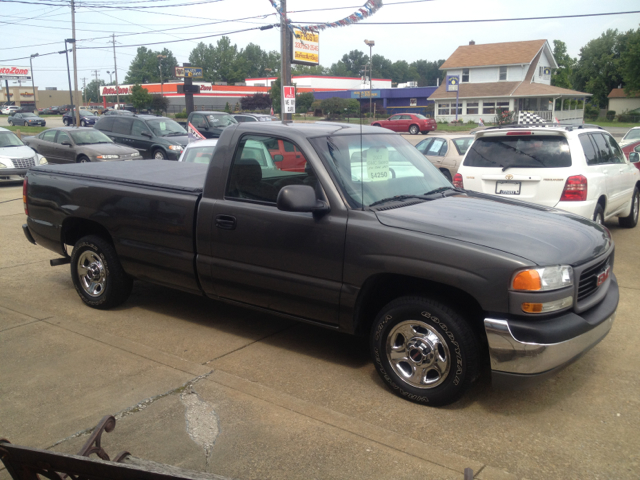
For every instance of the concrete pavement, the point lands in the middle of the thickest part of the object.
(210, 387)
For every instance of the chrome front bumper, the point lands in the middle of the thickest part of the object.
(511, 356)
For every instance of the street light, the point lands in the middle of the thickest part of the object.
(33, 81)
(66, 50)
(110, 77)
(160, 58)
(371, 43)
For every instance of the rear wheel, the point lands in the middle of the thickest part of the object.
(598, 215)
(446, 174)
(632, 220)
(413, 129)
(97, 274)
(424, 351)
(83, 123)
(10, 122)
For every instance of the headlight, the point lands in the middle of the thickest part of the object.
(543, 279)
(42, 161)
(107, 157)
(179, 148)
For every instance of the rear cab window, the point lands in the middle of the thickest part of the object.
(519, 151)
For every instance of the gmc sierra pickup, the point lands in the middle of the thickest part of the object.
(368, 238)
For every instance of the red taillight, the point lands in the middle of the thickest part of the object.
(519, 133)
(24, 196)
(457, 181)
(575, 190)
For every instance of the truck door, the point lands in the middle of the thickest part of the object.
(283, 261)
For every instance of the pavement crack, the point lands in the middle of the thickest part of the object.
(24, 324)
(475, 475)
(138, 407)
(12, 200)
(201, 420)
(247, 345)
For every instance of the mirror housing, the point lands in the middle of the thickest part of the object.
(278, 158)
(634, 157)
(146, 134)
(300, 198)
(68, 144)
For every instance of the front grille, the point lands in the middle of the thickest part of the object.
(23, 162)
(589, 279)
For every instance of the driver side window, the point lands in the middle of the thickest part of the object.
(198, 121)
(63, 137)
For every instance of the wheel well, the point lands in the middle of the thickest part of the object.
(414, 125)
(81, 156)
(381, 289)
(603, 202)
(73, 229)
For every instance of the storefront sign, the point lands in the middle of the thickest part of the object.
(15, 71)
(111, 90)
(189, 72)
(453, 82)
(365, 93)
(305, 47)
(289, 94)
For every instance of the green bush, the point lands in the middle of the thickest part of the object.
(182, 114)
(611, 114)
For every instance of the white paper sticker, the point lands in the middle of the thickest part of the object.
(378, 164)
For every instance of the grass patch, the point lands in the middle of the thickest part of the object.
(27, 130)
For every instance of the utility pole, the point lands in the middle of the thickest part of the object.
(33, 80)
(66, 53)
(160, 58)
(285, 73)
(97, 83)
(84, 89)
(75, 58)
(115, 69)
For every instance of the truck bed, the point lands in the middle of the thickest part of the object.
(185, 178)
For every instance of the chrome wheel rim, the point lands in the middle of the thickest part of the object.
(413, 130)
(599, 220)
(418, 354)
(159, 156)
(636, 204)
(92, 274)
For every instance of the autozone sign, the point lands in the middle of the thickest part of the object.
(16, 71)
(111, 90)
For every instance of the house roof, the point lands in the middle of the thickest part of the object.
(504, 89)
(507, 53)
(619, 93)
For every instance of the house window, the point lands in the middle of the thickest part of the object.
(472, 108)
(502, 105)
(453, 109)
(443, 109)
(503, 73)
(488, 107)
(413, 102)
(465, 75)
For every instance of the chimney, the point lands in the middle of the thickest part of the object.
(472, 42)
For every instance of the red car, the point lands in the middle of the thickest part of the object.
(632, 147)
(408, 122)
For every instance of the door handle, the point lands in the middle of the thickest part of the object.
(226, 222)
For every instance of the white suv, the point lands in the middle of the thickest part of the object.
(580, 169)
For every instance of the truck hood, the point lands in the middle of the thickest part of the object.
(544, 236)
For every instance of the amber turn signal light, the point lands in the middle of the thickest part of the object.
(527, 280)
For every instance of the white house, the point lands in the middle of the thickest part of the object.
(323, 82)
(515, 76)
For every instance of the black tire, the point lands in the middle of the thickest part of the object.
(447, 174)
(631, 220)
(65, 122)
(376, 125)
(83, 123)
(440, 338)
(414, 129)
(159, 155)
(598, 215)
(83, 159)
(97, 274)
(10, 122)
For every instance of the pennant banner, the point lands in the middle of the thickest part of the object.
(193, 134)
(368, 9)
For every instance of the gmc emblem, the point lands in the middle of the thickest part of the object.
(601, 278)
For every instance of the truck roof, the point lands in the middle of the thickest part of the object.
(310, 130)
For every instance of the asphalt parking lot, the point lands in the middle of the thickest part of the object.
(276, 399)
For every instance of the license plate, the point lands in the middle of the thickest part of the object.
(508, 188)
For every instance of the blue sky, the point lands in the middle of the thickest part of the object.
(397, 42)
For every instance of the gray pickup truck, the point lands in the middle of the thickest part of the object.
(370, 239)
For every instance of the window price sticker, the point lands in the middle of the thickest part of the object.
(378, 164)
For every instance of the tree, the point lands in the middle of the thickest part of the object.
(598, 69)
(630, 63)
(304, 101)
(92, 91)
(276, 96)
(308, 70)
(334, 107)
(159, 103)
(227, 108)
(140, 97)
(258, 101)
(145, 66)
(562, 76)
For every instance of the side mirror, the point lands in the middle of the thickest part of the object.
(68, 144)
(300, 198)
(146, 134)
(278, 158)
(634, 157)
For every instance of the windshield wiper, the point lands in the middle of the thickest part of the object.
(441, 190)
(7, 146)
(174, 133)
(400, 198)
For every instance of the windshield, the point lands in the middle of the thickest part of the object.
(462, 144)
(29, 115)
(88, 137)
(632, 135)
(519, 151)
(165, 127)
(9, 139)
(371, 168)
(86, 113)
(421, 117)
(199, 154)
(221, 119)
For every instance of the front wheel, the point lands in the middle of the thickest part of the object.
(65, 122)
(97, 274)
(159, 155)
(424, 351)
(413, 129)
(632, 220)
(83, 123)
(598, 215)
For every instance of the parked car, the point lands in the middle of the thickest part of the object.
(251, 117)
(79, 145)
(26, 120)
(442, 282)
(632, 147)
(413, 123)
(154, 137)
(86, 118)
(286, 156)
(16, 157)
(64, 109)
(27, 109)
(113, 111)
(210, 124)
(446, 153)
(631, 136)
(47, 111)
(95, 109)
(578, 169)
(9, 109)
(200, 151)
